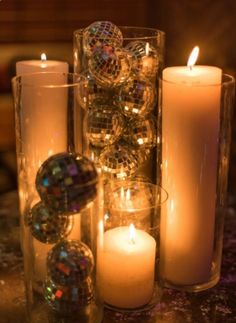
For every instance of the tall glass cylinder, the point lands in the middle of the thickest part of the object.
(121, 66)
(58, 191)
(196, 142)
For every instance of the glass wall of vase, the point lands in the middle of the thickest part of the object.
(128, 262)
(118, 123)
(59, 202)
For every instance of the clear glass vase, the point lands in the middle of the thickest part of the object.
(120, 96)
(196, 143)
(59, 193)
(128, 258)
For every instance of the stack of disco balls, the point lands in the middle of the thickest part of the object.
(66, 184)
(118, 93)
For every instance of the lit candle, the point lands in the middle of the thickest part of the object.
(44, 129)
(43, 65)
(191, 120)
(126, 267)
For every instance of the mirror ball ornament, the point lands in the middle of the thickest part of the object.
(69, 262)
(91, 93)
(48, 226)
(141, 132)
(118, 162)
(103, 125)
(68, 299)
(101, 33)
(136, 97)
(141, 153)
(66, 182)
(145, 60)
(110, 66)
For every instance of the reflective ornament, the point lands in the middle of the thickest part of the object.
(145, 61)
(48, 226)
(109, 66)
(136, 97)
(68, 299)
(141, 132)
(118, 161)
(67, 182)
(69, 262)
(103, 125)
(101, 33)
(91, 93)
(141, 153)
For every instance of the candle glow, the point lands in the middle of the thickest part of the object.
(193, 57)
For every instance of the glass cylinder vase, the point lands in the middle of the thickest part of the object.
(196, 124)
(128, 258)
(121, 66)
(58, 192)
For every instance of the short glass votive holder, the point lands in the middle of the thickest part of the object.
(129, 257)
(121, 66)
(59, 193)
(196, 132)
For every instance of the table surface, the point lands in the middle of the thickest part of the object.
(215, 305)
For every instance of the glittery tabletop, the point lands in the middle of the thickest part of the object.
(215, 305)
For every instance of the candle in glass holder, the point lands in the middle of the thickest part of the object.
(44, 129)
(191, 121)
(126, 267)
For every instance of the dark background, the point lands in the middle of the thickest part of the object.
(27, 28)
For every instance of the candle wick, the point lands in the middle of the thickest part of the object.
(191, 67)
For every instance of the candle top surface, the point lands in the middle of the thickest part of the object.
(32, 66)
(118, 240)
(195, 75)
(36, 62)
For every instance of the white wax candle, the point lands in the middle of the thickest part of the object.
(191, 120)
(126, 268)
(34, 66)
(44, 112)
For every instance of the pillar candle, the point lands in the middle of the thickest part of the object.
(126, 267)
(191, 120)
(43, 65)
(44, 115)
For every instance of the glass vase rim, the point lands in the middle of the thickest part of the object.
(155, 31)
(161, 190)
(229, 81)
(34, 74)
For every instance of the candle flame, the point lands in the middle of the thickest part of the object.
(132, 233)
(43, 60)
(43, 57)
(193, 57)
